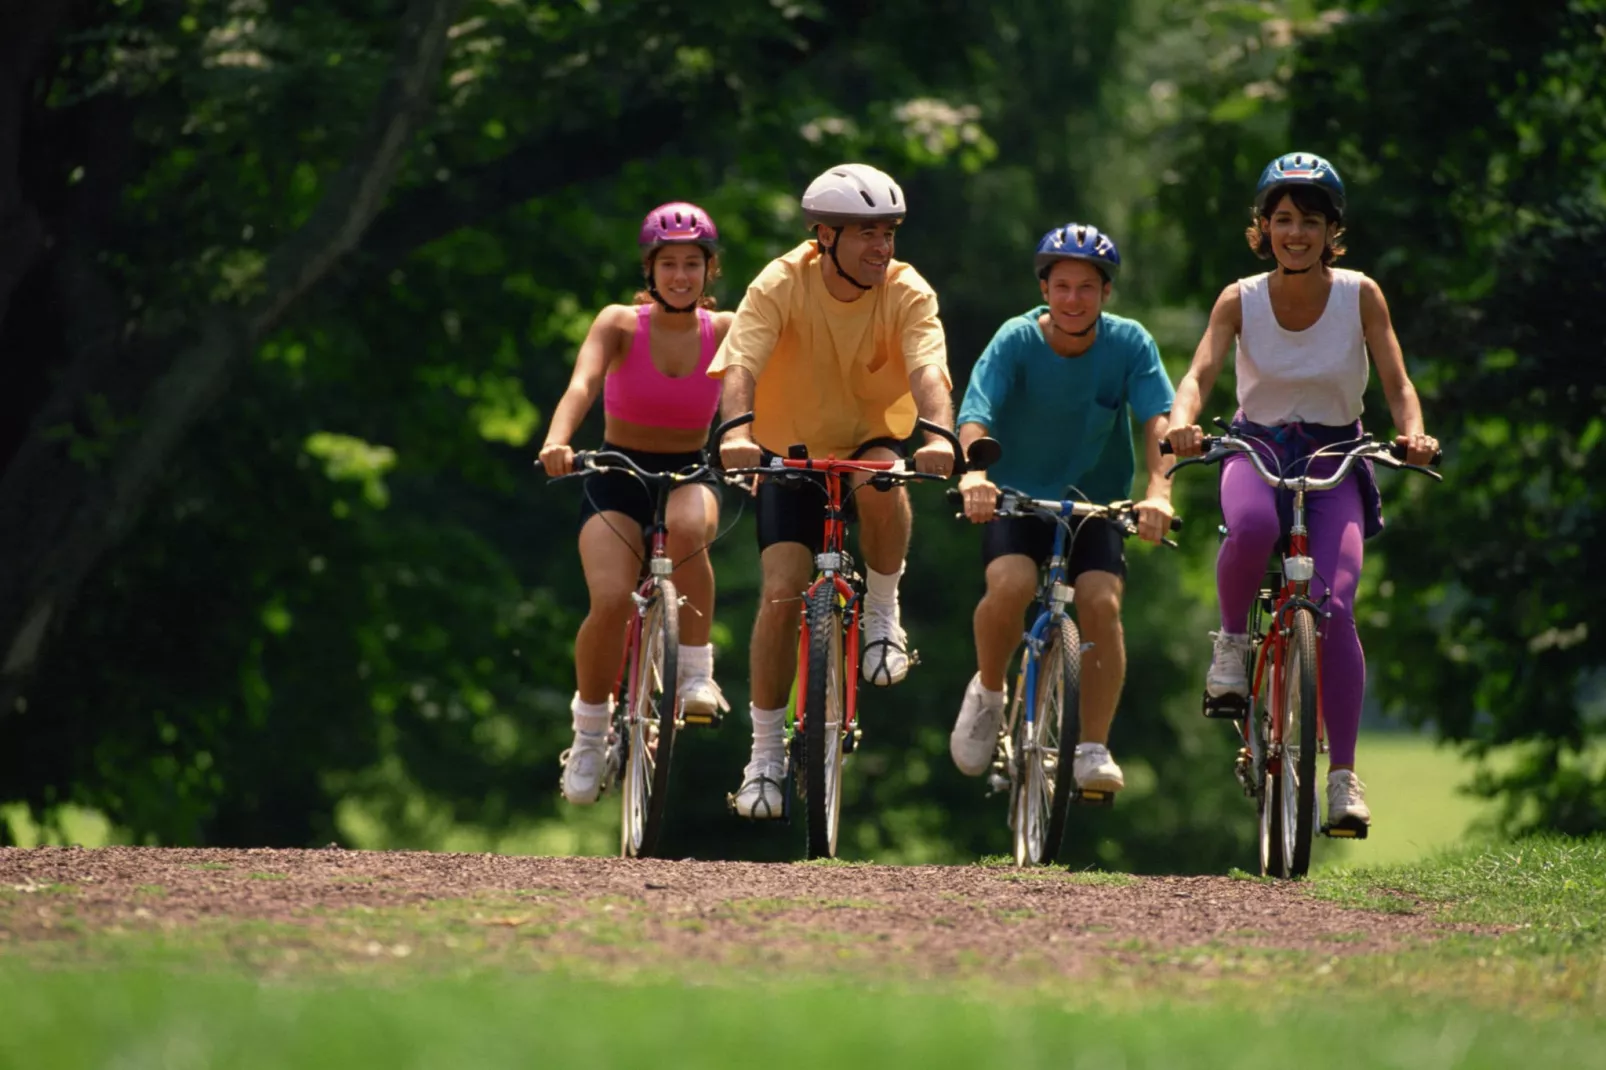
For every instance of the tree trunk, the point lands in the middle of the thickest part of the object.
(59, 515)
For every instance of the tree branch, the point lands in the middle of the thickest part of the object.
(45, 564)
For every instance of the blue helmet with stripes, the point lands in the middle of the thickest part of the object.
(1300, 169)
(1079, 241)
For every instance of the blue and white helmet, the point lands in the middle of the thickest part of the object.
(1300, 169)
(1079, 241)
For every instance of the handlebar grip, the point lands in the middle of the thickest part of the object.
(1165, 447)
(923, 424)
(1176, 523)
(1398, 452)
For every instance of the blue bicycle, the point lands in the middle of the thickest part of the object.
(1042, 727)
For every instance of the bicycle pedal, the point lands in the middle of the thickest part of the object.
(1226, 707)
(712, 719)
(1093, 797)
(1348, 830)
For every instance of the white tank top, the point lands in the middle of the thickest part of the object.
(1314, 376)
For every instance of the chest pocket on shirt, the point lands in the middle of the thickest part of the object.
(1100, 420)
(881, 378)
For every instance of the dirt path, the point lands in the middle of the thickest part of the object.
(927, 919)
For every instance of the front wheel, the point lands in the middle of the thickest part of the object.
(824, 703)
(1293, 790)
(1045, 749)
(649, 723)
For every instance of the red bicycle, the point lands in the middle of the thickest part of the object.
(1283, 734)
(825, 720)
(647, 716)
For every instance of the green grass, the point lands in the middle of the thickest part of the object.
(135, 1019)
(475, 983)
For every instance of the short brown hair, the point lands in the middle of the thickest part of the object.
(710, 273)
(1306, 199)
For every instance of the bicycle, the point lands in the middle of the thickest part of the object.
(1276, 766)
(647, 715)
(825, 726)
(1039, 734)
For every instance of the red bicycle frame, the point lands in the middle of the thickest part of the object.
(1294, 593)
(627, 663)
(829, 562)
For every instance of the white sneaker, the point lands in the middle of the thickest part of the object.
(586, 767)
(1095, 770)
(762, 794)
(700, 696)
(1346, 798)
(974, 739)
(886, 647)
(1229, 666)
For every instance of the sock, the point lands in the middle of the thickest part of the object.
(990, 697)
(590, 717)
(769, 733)
(883, 587)
(696, 662)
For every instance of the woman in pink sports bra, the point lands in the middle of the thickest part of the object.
(648, 360)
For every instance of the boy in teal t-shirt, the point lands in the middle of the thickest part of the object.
(1054, 387)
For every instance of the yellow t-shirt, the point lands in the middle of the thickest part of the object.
(832, 374)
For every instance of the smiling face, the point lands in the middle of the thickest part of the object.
(1298, 235)
(865, 250)
(1075, 291)
(680, 272)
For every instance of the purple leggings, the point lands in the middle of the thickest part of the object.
(1334, 519)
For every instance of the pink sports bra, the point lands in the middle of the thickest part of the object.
(642, 394)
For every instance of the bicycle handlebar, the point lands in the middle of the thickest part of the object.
(891, 468)
(590, 462)
(1217, 448)
(1012, 503)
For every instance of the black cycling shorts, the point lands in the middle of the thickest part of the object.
(619, 492)
(795, 511)
(1097, 546)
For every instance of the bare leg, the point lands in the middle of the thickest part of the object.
(693, 519)
(884, 520)
(612, 564)
(1011, 583)
(1098, 611)
(787, 569)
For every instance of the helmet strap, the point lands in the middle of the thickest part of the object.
(830, 250)
(1293, 271)
(1083, 333)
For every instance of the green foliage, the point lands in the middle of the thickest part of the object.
(352, 586)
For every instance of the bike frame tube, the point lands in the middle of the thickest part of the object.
(1036, 635)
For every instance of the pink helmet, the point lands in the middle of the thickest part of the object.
(678, 221)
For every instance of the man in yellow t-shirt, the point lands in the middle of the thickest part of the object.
(836, 346)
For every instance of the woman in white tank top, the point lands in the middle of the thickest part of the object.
(1303, 332)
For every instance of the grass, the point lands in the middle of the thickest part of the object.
(478, 983)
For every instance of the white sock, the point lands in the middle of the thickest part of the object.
(769, 732)
(590, 717)
(883, 586)
(989, 697)
(696, 662)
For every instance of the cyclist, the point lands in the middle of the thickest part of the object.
(1303, 333)
(1054, 387)
(836, 346)
(647, 360)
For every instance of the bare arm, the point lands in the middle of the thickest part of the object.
(1378, 328)
(590, 368)
(1154, 432)
(1226, 321)
(736, 398)
(981, 495)
(929, 384)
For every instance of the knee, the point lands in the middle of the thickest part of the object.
(691, 525)
(1010, 589)
(1098, 601)
(1254, 530)
(611, 603)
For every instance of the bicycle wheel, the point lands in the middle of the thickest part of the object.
(1045, 747)
(649, 715)
(1294, 805)
(823, 707)
(1268, 838)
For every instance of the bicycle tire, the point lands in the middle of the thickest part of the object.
(649, 711)
(1295, 814)
(1268, 837)
(823, 712)
(1061, 675)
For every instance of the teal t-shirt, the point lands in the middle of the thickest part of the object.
(1063, 420)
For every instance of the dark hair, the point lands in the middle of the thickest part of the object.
(710, 273)
(1306, 198)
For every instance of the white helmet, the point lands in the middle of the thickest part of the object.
(853, 192)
